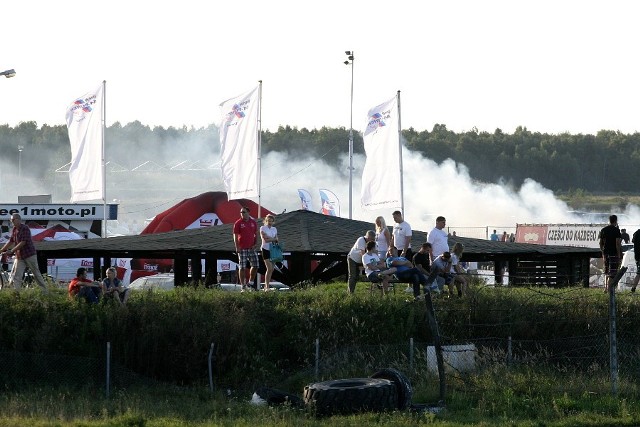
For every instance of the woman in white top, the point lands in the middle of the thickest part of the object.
(269, 234)
(383, 237)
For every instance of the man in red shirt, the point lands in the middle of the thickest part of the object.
(82, 287)
(245, 237)
(25, 253)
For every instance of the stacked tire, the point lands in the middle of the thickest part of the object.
(348, 396)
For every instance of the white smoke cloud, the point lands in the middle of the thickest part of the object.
(430, 189)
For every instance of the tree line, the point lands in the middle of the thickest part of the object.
(561, 162)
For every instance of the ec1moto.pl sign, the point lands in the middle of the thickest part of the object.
(48, 212)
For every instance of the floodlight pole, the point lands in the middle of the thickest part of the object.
(8, 73)
(349, 61)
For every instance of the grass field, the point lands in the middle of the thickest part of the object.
(495, 394)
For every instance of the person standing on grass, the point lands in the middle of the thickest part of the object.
(438, 238)
(269, 235)
(383, 237)
(25, 254)
(245, 238)
(611, 247)
(401, 236)
(636, 253)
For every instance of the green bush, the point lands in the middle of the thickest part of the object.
(167, 335)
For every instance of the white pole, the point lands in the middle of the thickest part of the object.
(400, 163)
(104, 163)
(351, 142)
(259, 136)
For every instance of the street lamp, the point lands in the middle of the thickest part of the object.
(349, 61)
(8, 73)
(20, 148)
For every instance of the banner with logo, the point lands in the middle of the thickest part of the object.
(239, 144)
(381, 173)
(305, 200)
(85, 126)
(330, 203)
(584, 235)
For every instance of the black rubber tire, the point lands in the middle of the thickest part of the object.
(402, 384)
(348, 396)
(277, 397)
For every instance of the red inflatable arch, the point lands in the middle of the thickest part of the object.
(187, 211)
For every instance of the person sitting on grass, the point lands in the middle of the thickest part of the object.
(375, 268)
(112, 287)
(81, 287)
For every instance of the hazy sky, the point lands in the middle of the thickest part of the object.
(552, 66)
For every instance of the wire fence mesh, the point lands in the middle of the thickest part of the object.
(477, 340)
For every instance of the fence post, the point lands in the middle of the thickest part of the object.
(433, 325)
(509, 351)
(317, 369)
(211, 386)
(613, 340)
(411, 354)
(108, 368)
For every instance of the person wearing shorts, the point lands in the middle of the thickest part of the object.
(245, 238)
(611, 247)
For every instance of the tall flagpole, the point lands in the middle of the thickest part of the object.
(259, 139)
(104, 163)
(400, 157)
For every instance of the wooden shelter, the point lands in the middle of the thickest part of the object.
(311, 239)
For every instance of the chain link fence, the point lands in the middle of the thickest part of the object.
(477, 341)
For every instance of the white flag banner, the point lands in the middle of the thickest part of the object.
(381, 173)
(84, 123)
(239, 145)
(305, 199)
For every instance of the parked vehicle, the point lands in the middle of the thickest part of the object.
(165, 281)
(162, 281)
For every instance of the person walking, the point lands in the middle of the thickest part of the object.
(21, 245)
(245, 238)
(269, 235)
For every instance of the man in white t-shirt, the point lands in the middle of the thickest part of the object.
(354, 258)
(438, 238)
(401, 236)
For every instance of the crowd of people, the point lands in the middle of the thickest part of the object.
(385, 254)
(20, 246)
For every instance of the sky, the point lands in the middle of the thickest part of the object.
(552, 66)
